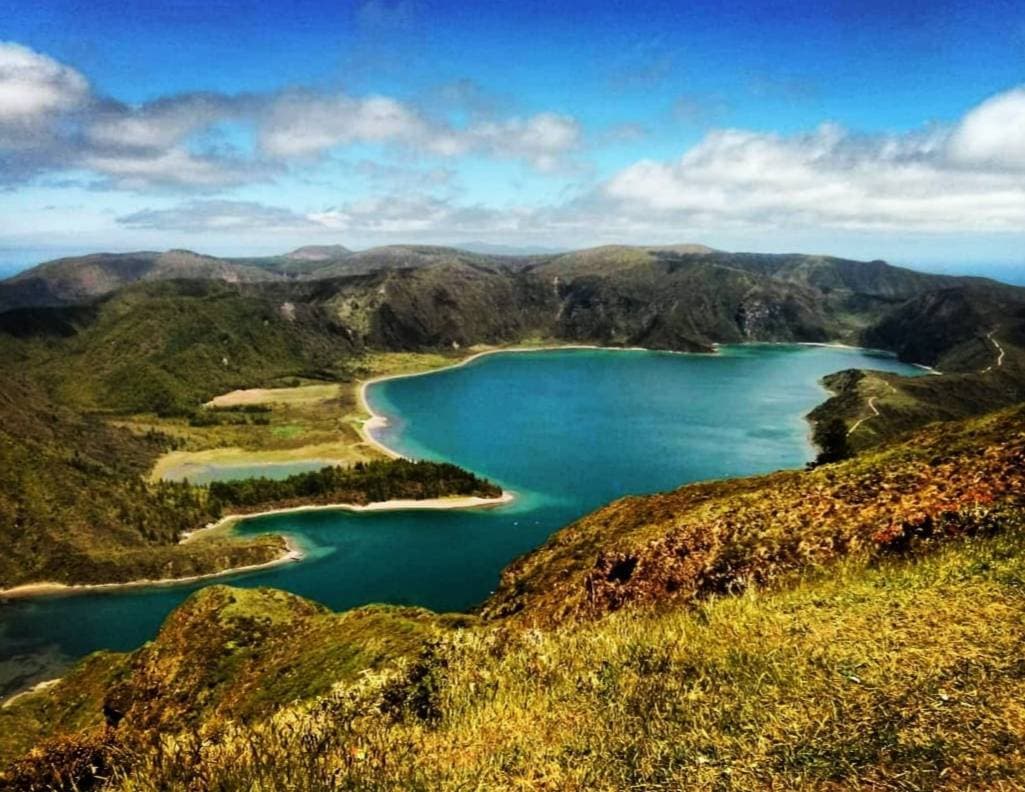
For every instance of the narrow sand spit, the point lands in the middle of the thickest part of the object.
(292, 553)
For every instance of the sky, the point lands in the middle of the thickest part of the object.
(868, 130)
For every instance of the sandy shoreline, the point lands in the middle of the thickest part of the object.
(453, 502)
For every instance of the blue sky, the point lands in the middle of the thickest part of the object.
(883, 130)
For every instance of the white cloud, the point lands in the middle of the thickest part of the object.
(51, 121)
(34, 86)
(993, 134)
(230, 216)
(832, 178)
(965, 176)
(154, 145)
(418, 214)
(543, 140)
(174, 167)
(160, 124)
(305, 125)
(383, 216)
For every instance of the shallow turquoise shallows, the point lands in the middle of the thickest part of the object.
(566, 430)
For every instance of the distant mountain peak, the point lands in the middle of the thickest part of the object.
(489, 248)
(685, 248)
(317, 253)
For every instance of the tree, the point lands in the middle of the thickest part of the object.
(832, 441)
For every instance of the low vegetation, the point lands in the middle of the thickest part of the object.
(853, 626)
(77, 505)
(856, 625)
(906, 676)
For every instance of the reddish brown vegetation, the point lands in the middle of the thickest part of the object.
(705, 539)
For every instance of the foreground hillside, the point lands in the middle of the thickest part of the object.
(858, 625)
(725, 536)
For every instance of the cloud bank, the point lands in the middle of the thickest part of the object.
(963, 176)
(967, 177)
(34, 86)
(51, 119)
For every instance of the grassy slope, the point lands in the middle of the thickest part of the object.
(168, 347)
(74, 506)
(225, 653)
(58, 528)
(905, 676)
(724, 536)
(905, 403)
(975, 337)
(882, 648)
(311, 421)
(83, 278)
(74, 503)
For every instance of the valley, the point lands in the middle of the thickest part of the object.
(402, 396)
(261, 369)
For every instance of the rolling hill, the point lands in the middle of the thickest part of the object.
(756, 603)
(855, 626)
(210, 324)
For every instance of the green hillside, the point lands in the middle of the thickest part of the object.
(75, 506)
(195, 338)
(855, 626)
(168, 347)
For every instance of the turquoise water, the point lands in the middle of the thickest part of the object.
(566, 430)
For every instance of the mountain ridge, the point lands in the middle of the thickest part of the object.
(75, 279)
(424, 298)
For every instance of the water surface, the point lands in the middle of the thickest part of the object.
(566, 430)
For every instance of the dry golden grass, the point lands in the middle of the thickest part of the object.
(907, 676)
(298, 395)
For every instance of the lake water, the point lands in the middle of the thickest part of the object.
(566, 430)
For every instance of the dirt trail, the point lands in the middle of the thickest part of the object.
(873, 408)
(1000, 352)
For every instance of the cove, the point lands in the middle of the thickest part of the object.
(566, 430)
